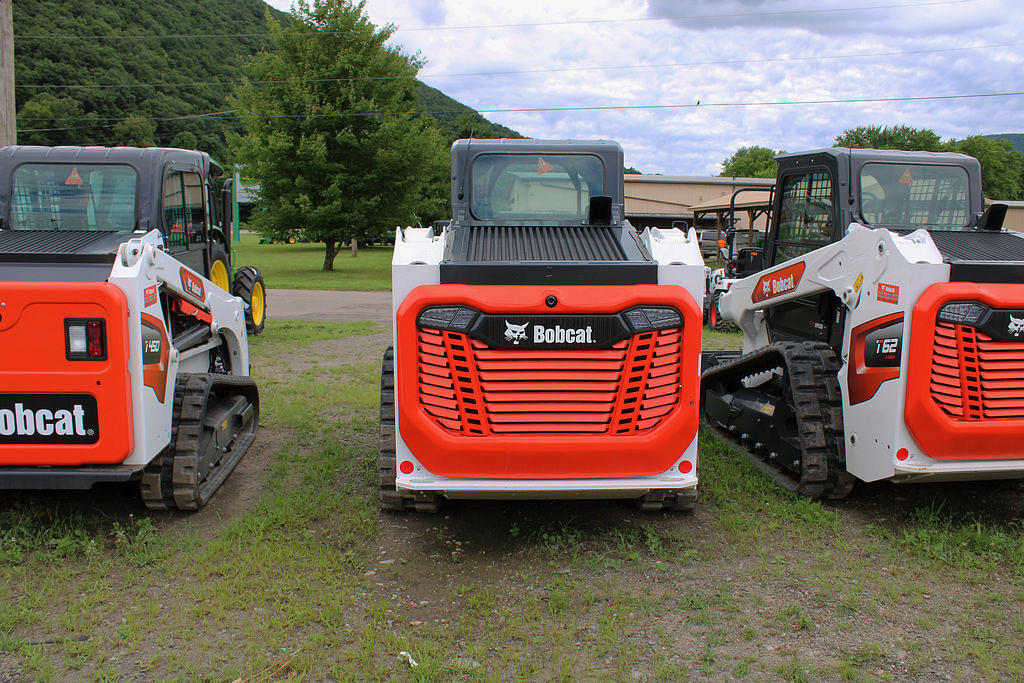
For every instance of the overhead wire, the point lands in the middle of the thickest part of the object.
(721, 62)
(233, 115)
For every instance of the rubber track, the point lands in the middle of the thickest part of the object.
(191, 492)
(390, 498)
(813, 391)
(155, 486)
(171, 480)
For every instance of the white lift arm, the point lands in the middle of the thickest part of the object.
(843, 267)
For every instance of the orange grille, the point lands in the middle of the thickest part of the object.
(468, 387)
(974, 377)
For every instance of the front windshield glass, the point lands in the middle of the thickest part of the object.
(73, 197)
(555, 187)
(914, 195)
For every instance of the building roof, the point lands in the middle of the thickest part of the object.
(699, 180)
(757, 199)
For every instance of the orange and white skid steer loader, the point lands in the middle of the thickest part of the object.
(137, 370)
(543, 348)
(885, 337)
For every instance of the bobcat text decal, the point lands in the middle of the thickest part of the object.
(778, 283)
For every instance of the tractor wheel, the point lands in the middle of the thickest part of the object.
(249, 286)
(291, 239)
(219, 269)
(715, 319)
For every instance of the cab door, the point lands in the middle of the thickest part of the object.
(183, 213)
(804, 218)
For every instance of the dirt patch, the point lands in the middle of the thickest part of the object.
(242, 488)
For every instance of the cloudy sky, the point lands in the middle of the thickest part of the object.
(642, 66)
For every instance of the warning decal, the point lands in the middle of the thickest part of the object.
(889, 294)
(543, 166)
(73, 178)
(906, 178)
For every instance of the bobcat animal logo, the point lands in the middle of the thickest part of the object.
(1016, 327)
(517, 333)
(767, 287)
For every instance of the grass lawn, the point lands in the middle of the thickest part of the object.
(291, 571)
(300, 266)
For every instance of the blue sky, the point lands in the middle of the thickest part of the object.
(659, 53)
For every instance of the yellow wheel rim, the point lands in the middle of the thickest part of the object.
(258, 305)
(219, 275)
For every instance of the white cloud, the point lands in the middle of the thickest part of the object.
(695, 140)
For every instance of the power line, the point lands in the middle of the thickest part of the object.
(722, 62)
(538, 24)
(233, 115)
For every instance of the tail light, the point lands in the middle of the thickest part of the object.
(85, 339)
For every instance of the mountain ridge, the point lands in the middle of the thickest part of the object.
(112, 72)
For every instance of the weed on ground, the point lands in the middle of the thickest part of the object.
(309, 579)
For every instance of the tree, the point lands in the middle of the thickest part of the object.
(751, 162)
(333, 133)
(49, 120)
(891, 137)
(135, 131)
(1002, 166)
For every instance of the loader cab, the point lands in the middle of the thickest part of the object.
(75, 205)
(820, 193)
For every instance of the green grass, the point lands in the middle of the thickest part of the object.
(293, 584)
(300, 266)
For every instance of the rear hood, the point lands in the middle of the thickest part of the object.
(61, 245)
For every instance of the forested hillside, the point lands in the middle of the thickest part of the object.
(81, 68)
(1016, 139)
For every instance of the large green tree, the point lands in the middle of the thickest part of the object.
(891, 137)
(1002, 166)
(751, 162)
(333, 131)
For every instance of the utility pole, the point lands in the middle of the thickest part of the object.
(8, 129)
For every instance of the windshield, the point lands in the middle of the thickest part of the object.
(914, 195)
(555, 187)
(73, 197)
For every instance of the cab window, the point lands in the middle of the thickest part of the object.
(914, 195)
(555, 187)
(184, 213)
(805, 215)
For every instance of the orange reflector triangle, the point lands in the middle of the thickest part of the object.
(74, 178)
(906, 177)
(543, 166)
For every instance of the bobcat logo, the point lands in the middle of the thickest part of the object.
(1016, 327)
(766, 286)
(517, 333)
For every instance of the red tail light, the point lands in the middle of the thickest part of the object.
(94, 339)
(85, 339)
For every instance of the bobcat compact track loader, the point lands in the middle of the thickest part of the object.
(885, 337)
(542, 347)
(119, 360)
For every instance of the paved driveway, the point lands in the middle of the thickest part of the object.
(318, 304)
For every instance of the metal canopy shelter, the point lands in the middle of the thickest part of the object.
(756, 202)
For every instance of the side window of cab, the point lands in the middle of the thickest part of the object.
(184, 211)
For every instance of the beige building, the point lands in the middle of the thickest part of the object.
(658, 200)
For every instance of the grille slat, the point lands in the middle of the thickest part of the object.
(629, 388)
(978, 378)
